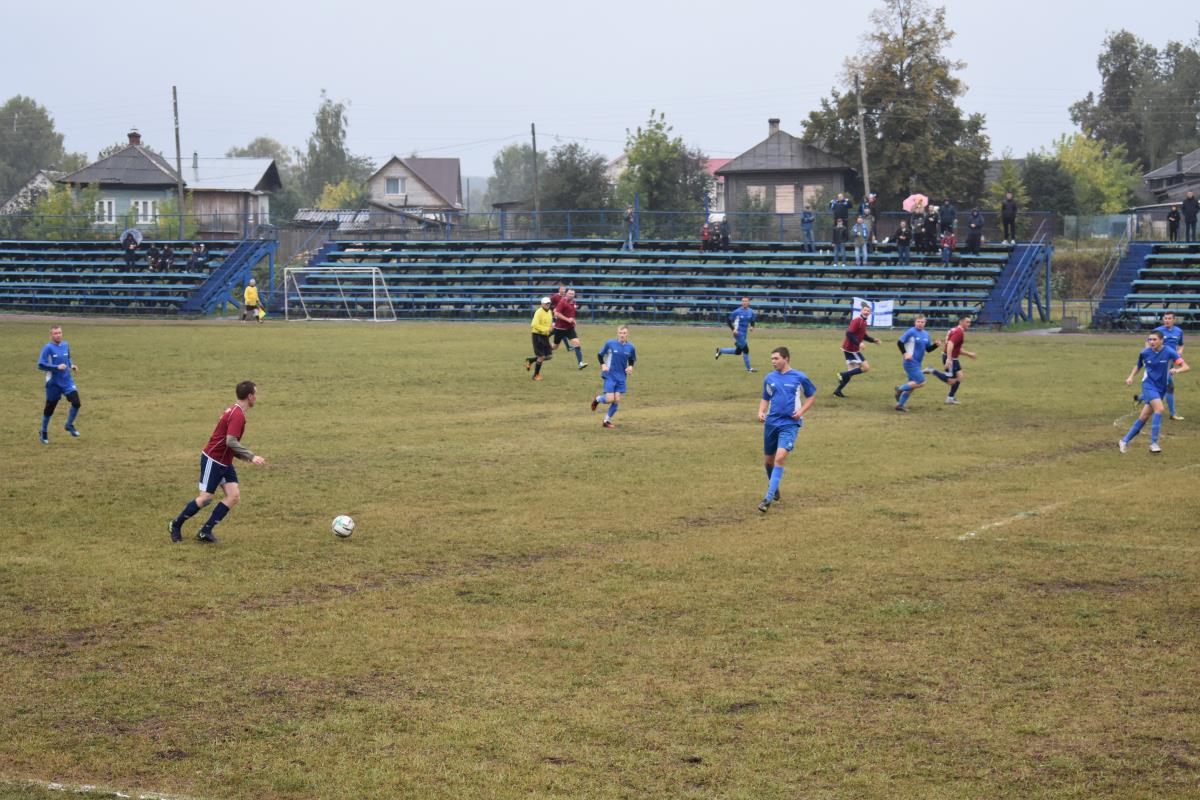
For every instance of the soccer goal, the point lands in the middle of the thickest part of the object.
(314, 293)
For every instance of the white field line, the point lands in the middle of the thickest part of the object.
(86, 789)
(1046, 509)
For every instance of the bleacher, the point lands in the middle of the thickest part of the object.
(658, 281)
(93, 278)
(1168, 280)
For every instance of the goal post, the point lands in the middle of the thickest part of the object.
(319, 293)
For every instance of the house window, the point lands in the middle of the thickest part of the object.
(146, 210)
(756, 194)
(106, 211)
(785, 199)
(812, 193)
(395, 186)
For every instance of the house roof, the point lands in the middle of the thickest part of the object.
(714, 164)
(23, 197)
(782, 152)
(246, 175)
(442, 175)
(133, 165)
(1191, 166)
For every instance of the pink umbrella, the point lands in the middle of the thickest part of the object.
(913, 201)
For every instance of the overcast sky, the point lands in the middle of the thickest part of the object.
(465, 78)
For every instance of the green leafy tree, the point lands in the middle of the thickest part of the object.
(512, 174)
(1008, 180)
(917, 137)
(1050, 187)
(326, 159)
(346, 193)
(575, 178)
(662, 170)
(29, 142)
(1171, 105)
(65, 214)
(1104, 182)
(1116, 116)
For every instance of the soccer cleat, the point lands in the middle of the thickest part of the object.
(528, 365)
(72, 430)
(1154, 448)
(838, 393)
(608, 423)
(751, 369)
(718, 353)
(537, 377)
(582, 364)
(43, 438)
(595, 403)
(777, 497)
(1177, 418)
(927, 370)
(175, 531)
(901, 409)
(206, 537)
(952, 401)
(1123, 445)
(763, 506)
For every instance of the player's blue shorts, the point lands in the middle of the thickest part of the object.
(214, 474)
(741, 346)
(776, 437)
(1151, 392)
(614, 383)
(55, 391)
(913, 370)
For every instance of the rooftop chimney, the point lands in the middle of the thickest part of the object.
(135, 137)
(195, 166)
(773, 126)
(1179, 163)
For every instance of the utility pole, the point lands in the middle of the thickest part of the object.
(178, 160)
(862, 140)
(537, 202)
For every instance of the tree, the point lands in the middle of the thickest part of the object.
(28, 142)
(1050, 187)
(1103, 179)
(512, 174)
(344, 194)
(575, 178)
(663, 171)
(1009, 180)
(1171, 105)
(326, 159)
(66, 214)
(917, 138)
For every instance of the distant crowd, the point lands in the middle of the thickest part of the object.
(161, 259)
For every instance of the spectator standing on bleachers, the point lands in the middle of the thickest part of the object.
(862, 235)
(628, 243)
(840, 236)
(1190, 208)
(974, 232)
(868, 209)
(724, 230)
(931, 228)
(949, 242)
(807, 218)
(250, 301)
(199, 257)
(903, 242)
(840, 207)
(949, 215)
(705, 240)
(130, 245)
(1008, 217)
(152, 256)
(1173, 224)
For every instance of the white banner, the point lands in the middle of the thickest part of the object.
(881, 311)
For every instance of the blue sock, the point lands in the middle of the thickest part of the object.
(728, 351)
(1155, 426)
(1135, 429)
(904, 398)
(74, 412)
(217, 515)
(45, 422)
(941, 376)
(773, 486)
(188, 512)
(579, 354)
(954, 388)
(612, 409)
(746, 359)
(1171, 402)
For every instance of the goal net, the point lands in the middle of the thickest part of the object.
(336, 293)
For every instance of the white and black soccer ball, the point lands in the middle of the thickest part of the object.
(343, 526)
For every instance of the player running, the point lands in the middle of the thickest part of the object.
(856, 363)
(914, 344)
(55, 361)
(617, 358)
(954, 348)
(216, 466)
(741, 322)
(782, 412)
(1172, 338)
(543, 319)
(1157, 359)
(564, 323)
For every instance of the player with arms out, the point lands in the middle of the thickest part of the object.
(954, 348)
(564, 323)
(781, 411)
(856, 364)
(914, 344)
(741, 322)
(1157, 359)
(55, 361)
(216, 466)
(617, 358)
(1173, 338)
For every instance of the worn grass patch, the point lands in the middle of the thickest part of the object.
(533, 606)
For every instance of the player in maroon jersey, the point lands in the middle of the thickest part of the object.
(856, 363)
(563, 304)
(216, 466)
(954, 348)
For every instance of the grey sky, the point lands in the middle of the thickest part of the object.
(463, 79)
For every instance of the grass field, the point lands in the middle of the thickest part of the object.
(982, 601)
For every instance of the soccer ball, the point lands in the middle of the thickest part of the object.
(343, 526)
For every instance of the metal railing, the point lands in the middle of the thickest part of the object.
(1018, 285)
(1110, 266)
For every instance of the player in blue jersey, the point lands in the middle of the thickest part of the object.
(787, 395)
(617, 358)
(55, 361)
(914, 344)
(1160, 363)
(741, 322)
(1173, 338)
